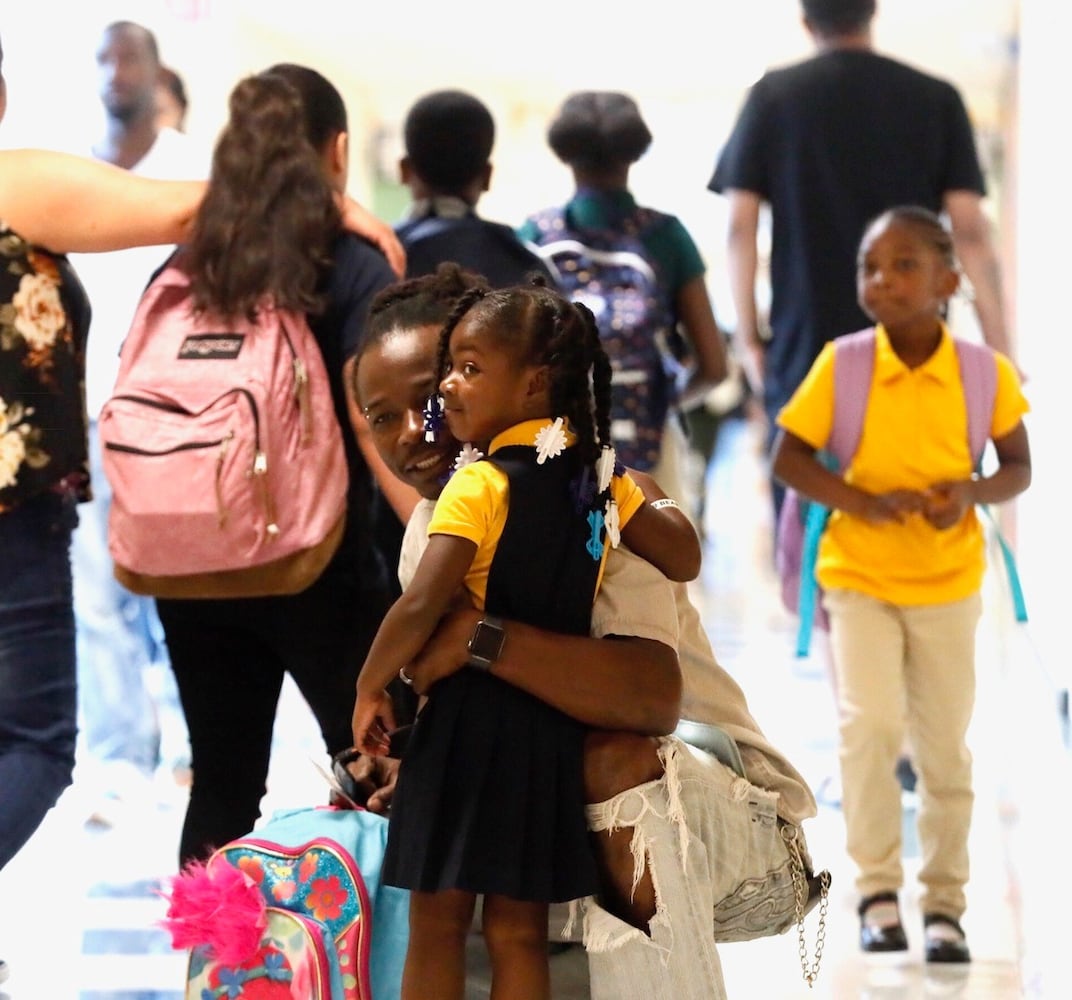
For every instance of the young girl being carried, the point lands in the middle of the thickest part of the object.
(490, 797)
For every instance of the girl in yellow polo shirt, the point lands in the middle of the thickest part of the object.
(490, 794)
(901, 565)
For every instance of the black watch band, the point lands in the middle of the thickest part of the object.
(486, 642)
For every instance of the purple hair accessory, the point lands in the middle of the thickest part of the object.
(433, 417)
(583, 491)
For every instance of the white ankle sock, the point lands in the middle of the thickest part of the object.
(939, 930)
(882, 914)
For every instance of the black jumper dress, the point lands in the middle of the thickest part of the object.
(490, 794)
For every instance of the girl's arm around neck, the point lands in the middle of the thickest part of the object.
(663, 535)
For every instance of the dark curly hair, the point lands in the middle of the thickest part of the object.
(598, 130)
(267, 223)
(544, 328)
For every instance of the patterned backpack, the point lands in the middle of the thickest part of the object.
(613, 274)
(295, 909)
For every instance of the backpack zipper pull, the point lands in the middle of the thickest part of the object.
(301, 393)
(260, 472)
(221, 510)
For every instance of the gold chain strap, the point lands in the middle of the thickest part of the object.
(800, 895)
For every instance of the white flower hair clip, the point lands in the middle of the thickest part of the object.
(467, 456)
(550, 441)
(612, 524)
(605, 467)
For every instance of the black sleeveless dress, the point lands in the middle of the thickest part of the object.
(490, 794)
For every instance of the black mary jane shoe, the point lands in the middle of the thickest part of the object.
(874, 938)
(943, 949)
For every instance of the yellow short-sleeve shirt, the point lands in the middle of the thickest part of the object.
(915, 434)
(475, 501)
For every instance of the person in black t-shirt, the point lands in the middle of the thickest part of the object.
(828, 144)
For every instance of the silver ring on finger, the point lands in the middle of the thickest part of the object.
(404, 677)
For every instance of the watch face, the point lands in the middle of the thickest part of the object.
(487, 641)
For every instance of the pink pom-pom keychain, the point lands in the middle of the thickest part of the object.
(217, 906)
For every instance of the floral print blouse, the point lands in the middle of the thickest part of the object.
(44, 318)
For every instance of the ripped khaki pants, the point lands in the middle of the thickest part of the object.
(708, 836)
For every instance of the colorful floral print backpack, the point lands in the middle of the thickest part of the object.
(294, 911)
(613, 274)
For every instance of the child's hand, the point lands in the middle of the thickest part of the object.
(373, 722)
(896, 505)
(948, 502)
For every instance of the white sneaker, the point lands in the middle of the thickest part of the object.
(3, 971)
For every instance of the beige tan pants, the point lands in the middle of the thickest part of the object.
(906, 670)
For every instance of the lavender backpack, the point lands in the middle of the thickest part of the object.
(801, 522)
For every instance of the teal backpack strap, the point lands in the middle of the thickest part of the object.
(854, 363)
(814, 524)
(1016, 591)
(979, 376)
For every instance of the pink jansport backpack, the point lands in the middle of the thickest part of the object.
(223, 452)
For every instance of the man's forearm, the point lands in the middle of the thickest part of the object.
(621, 683)
(974, 246)
(629, 683)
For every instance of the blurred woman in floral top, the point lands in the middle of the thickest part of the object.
(52, 204)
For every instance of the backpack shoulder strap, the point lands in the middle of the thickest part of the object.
(854, 363)
(979, 376)
(550, 222)
(430, 225)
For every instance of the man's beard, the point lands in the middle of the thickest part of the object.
(124, 112)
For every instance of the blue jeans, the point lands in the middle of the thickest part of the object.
(118, 637)
(37, 665)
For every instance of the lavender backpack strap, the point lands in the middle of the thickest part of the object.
(979, 376)
(854, 364)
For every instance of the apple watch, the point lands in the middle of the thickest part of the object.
(486, 642)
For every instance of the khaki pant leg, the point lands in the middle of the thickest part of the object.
(940, 677)
(867, 643)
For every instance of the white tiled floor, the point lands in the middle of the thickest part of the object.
(77, 910)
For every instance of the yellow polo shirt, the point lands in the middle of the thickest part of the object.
(915, 433)
(475, 501)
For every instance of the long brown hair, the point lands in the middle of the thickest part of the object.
(266, 225)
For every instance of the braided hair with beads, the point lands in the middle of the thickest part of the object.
(543, 327)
